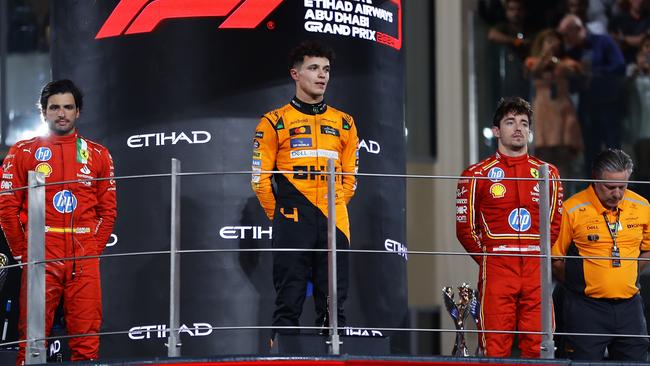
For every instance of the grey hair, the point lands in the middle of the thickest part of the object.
(611, 160)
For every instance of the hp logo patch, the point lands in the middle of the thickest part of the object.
(64, 201)
(519, 219)
(496, 174)
(43, 154)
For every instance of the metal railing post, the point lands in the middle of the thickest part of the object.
(173, 342)
(548, 345)
(334, 341)
(35, 352)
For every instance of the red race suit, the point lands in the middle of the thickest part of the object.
(496, 215)
(79, 220)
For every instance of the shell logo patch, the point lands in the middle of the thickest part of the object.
(498, 190)
(44, 168)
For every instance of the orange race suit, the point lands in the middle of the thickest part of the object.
(496, 215)
(597, 291)
(79, 220)
(300, 138)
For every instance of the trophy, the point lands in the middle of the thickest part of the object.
(468, 304)
(474, 309)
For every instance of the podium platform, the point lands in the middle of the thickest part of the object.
(313, 344)
(342, 360)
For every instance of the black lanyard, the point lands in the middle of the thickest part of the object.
(613, 232)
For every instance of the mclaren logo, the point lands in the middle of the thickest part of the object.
(142, 16)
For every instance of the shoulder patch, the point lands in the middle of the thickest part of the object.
(346, 124)
(578, 206)
(636, 201)
(279, 125)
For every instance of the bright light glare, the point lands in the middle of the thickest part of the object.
(41, 130)
(487, 133)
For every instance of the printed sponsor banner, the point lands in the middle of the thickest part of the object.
(151, 95)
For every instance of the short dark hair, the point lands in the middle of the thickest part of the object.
(61, 87)
(312, 49)
(514, 105)
(611, 160)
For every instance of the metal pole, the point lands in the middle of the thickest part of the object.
(173, 342)
(548, 346)
(472, 97)
(334, 340)
(35, 352)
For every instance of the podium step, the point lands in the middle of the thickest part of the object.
(314, 344)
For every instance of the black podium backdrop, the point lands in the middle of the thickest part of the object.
(188, 79)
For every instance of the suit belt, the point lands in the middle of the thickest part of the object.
(514, 248)
(76, 230)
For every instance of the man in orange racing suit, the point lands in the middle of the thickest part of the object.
(79, 216)
(300, 137)
(496, 215)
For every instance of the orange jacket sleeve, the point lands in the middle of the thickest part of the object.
(350, 161)
(265, 149)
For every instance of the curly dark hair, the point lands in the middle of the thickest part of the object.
(515, 105)
(309, 48)
(61, 87)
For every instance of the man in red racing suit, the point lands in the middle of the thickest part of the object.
(300, 137)
(496, 215)
(79, 216)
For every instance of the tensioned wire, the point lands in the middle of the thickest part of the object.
(260, 327)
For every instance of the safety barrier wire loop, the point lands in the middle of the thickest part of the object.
(368, 251)
(383, 329)
(376, 175)
(36, 339)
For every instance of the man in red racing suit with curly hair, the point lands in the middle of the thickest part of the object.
(496, 215)
(79, 216)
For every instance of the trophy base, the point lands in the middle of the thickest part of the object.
(314, 344)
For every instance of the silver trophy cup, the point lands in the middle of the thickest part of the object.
(459, 311)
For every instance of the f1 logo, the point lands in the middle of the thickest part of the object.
(142, 16)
